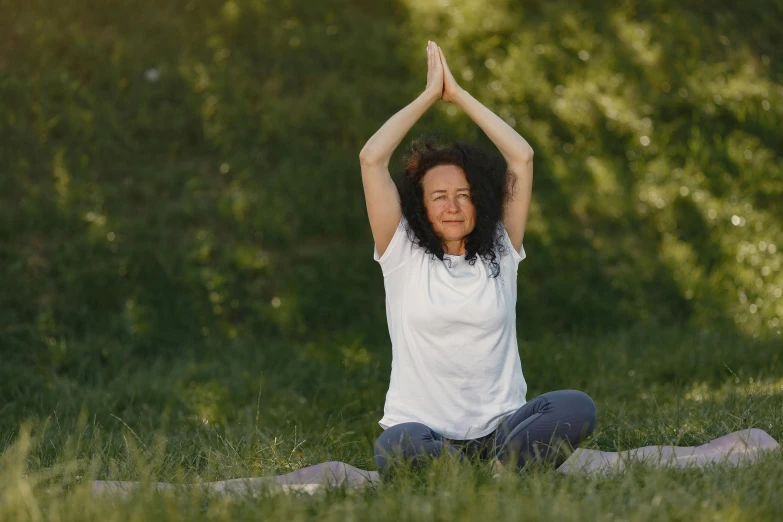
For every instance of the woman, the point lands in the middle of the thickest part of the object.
(448, 237)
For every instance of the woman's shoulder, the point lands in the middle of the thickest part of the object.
(401, 249)
(508, 249)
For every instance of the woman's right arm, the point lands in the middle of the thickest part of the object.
(380, 193)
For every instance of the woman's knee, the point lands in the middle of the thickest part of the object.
(586, 406)
(406, 440)
(573, 407)
(581, 409)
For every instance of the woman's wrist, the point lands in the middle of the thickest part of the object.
(458, 97)
(430, 96)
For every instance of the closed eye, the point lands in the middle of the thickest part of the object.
(441, 197)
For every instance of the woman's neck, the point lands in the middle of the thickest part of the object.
(454, 248)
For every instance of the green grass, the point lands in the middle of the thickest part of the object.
(254, 408)
(156, 236)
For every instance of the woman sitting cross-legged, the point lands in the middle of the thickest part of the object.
(448, 236)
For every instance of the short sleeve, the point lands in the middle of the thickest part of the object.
(516, 255)
(397, 253)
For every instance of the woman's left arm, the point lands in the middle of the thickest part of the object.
(515, 149)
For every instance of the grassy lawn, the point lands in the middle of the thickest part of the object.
(254, 408)
(187, 291)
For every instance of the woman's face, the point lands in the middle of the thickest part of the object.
(448, 202)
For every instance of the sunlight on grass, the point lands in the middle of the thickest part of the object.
(443, 489)
(761, 388)
(277, 410)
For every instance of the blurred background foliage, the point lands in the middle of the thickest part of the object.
(180, 173)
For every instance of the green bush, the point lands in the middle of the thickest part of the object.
(180, 170)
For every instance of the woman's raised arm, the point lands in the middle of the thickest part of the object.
(381, 197)
(515, 149)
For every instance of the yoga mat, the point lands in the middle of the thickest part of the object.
(309, 480)
(738, 449)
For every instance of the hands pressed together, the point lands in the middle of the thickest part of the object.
(440, 81)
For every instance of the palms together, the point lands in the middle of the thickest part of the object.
(439, 76)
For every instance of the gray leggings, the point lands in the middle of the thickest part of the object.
(537, 432)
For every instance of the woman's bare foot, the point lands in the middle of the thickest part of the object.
(496, 468)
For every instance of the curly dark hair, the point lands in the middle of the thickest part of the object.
(491, 184)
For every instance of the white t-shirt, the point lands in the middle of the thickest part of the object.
(455, 359)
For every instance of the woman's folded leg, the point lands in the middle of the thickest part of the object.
(410, 441)
(545, 429)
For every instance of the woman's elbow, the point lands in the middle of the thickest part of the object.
(521, 159)
(369, 157)
(365, 156)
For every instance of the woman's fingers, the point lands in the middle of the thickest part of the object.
(434, 68)
(450, 87)
(446, 71)
(430, 62)
(443, 60)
